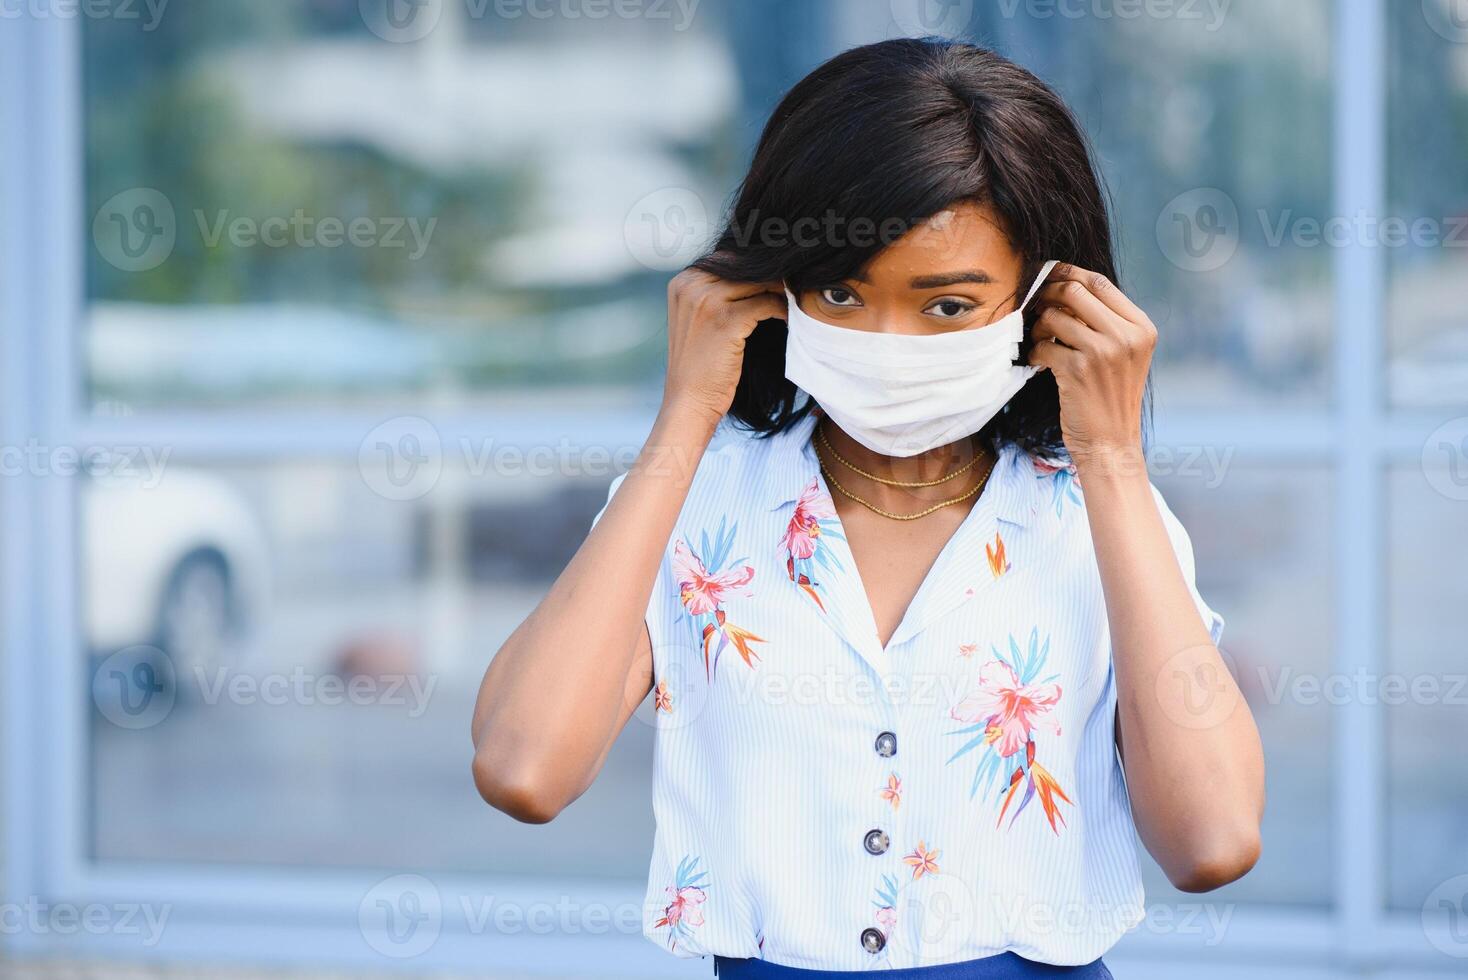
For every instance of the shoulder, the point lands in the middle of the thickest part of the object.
(1061, 494)
(742, 473)
(743, 467)
(1049, 489)
(732, 453)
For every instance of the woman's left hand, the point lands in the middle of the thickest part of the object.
(1098, 344)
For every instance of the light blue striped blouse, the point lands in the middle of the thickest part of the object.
(825, 803)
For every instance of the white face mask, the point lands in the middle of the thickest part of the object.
(904, 394)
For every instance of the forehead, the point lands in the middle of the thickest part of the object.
(964, 236)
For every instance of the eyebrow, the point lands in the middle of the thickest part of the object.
(942, 279)
(938, 280)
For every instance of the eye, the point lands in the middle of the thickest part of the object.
(839, 296)
(949, 309)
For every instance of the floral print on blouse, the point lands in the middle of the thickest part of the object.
(819, 794)
(812, 524)
(684, 912)
(704, 592)
(1009, 703)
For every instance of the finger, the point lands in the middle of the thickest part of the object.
(745, 314)
(1080, 302)
(731, 289)
(1099, 286)
(1057, 324)
(1056, 358)
(743, 290)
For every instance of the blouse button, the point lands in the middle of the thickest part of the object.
(876, 842)
(886, 745)
(872, 940)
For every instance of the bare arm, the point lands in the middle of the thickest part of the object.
(563, 685)
(560, 689)
(1196, 777)
(1193, 760)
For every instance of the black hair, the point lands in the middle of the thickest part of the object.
(874, 142)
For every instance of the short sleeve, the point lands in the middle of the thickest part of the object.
(1182, 547)
(611, 492)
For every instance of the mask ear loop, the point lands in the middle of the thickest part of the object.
(1039, 281)
(789, 298)
(1045, 271)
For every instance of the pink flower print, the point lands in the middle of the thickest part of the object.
(683, 914)
(1067, 483)
(804, 531)
(967, 650)
(684, 911)
(886, 903)
(1011, 710)
(805, 550)
(686, 907)
(702, 592)
(1013, 697)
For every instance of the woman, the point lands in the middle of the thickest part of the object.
(923, 640)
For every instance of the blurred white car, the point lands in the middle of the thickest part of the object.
(181, 566)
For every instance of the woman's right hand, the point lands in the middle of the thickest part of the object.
(709, 320)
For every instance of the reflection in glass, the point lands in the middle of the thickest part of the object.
(1260, 536)
(1427, 197)
(1426, 769)
(310, 653)
(291, 208)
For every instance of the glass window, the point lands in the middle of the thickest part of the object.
(291, 208)
(1427, 201)
(1424, 688)
(286, 657)
(1260, 534)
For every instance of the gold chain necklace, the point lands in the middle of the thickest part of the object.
(830, 478)
(821, 434)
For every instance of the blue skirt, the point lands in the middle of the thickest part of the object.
(1005, 966)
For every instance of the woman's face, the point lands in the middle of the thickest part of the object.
(955, 271)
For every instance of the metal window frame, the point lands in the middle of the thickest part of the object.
(287, 916)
